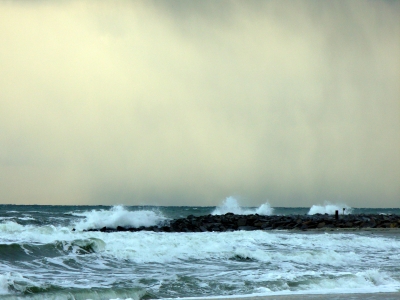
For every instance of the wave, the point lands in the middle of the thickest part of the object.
(119, 216)
(14, 284)
(294, 262)
(151, 247)
(11, 227)
(28, 251)
(365, 282)
(371, 280)
(231, 205)
(329, 208)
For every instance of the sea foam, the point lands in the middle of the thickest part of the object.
(231, 205)
(329, 208)
(14, 281)
(303, 261)
(3, 284)
(11, 227)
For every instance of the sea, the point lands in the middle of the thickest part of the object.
(46, 253)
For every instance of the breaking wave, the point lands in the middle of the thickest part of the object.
(329, 208)
(119, 216)
(13, 284)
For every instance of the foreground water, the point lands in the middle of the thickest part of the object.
(42, 257)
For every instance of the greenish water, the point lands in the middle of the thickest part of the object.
(41, 257)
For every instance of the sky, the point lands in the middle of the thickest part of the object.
(189, 102)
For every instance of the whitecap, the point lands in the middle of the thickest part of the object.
(119, 216)
(14, 281)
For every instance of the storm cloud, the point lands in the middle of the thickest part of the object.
(188, 102)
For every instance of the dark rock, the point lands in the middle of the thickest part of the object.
(304, 227)
(230, 222)
(259, 224)
(241, 222)
(321, 225)
(202, 229)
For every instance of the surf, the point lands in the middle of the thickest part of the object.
(118, 216)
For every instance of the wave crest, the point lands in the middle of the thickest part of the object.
(118, 216)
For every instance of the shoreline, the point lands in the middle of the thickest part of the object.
(350, 230)
(333, 296)
(395, 295)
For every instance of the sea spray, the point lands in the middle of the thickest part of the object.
(265, 209)
(231, 205)
(329, 208)
(119, 216)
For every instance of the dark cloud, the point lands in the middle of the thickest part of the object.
(187, 102)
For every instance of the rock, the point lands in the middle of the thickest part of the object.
(203, 229)
(304, 227)
(321, 224)
(241, 222)
(258, 224)
(230, 222)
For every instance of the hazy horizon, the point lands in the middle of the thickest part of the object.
(323, 205)
(188, 102)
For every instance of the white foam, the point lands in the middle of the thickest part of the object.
(372, 280)
(118, 216)
(3, 284)
(290, 257)
(12, 232)
(346, 283)
(290, 250)
(231, 205)
(329, 208)
(11, 227)
(265, 209)
(26, 218)
(14, 280)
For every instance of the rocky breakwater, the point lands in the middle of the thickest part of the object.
(232, 222)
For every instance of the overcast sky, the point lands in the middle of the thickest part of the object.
(188, 102)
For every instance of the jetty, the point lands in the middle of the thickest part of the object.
(233, 222)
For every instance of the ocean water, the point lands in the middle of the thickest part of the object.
(42, 257)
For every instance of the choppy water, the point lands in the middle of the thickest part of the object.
(41, 257)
